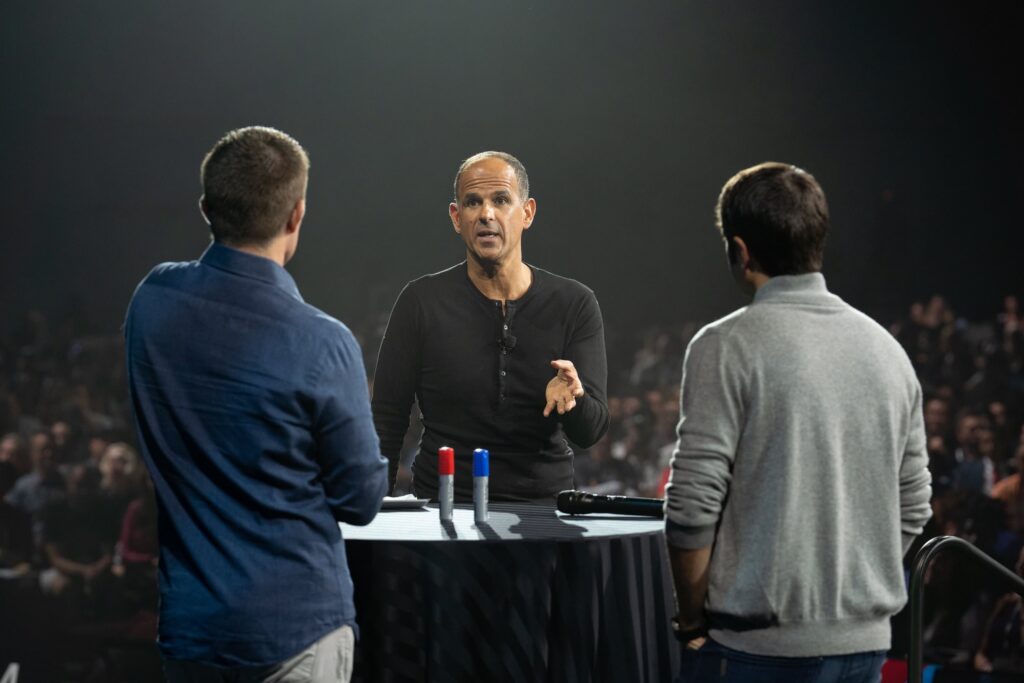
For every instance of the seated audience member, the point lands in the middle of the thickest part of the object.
(66, 447)
(968, 422)
(936, 417)
(121, 479)
(1008, 492)
(96, 446)
(77, 538)
(34, 491)
(1002, 642)
(15, 530)
(976, 469)
(1003, 429)
(136, 554)
(12, 450)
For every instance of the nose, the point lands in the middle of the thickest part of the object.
(487, 213)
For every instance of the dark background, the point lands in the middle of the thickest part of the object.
(628, 115)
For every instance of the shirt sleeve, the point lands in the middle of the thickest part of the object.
(710, 418)
(915, 479)
(353, 473)
(396, 378)
(588, 421)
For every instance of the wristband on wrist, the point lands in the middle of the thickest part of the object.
(686, 635)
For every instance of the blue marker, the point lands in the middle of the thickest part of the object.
(481, 475)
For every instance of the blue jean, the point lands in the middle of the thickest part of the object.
(715, 663)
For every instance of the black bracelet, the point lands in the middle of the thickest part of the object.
(689, 634)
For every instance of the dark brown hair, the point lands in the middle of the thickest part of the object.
(780, 213)
(251, 180)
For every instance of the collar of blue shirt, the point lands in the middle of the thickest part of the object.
(248, 265)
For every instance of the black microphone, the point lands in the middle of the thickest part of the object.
(507, 342)
(581, 503)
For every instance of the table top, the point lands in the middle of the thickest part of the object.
(507, 522)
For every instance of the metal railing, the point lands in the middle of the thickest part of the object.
(929, 551)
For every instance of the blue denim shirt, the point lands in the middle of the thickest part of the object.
(253, 417)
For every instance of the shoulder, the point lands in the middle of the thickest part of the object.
(550, 282)
(170, 270)
(427, 290)
(425, 287)
(167, 273)
(574, 299)
(880, 341)
(336, 348)
(721, 330)
(718, 340)
(448, 277)
(323, 326)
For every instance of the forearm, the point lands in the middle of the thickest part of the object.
(66, 566)
(359, 502)
(391, 423)
(396, 377)
(354, 474)
(129, 556)
(587, 422)
(690, 576)
(915, 481)
(102, 563)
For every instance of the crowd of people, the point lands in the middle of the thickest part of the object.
(78, 521)
(78, 538)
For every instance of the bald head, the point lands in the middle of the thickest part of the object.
(522, 180)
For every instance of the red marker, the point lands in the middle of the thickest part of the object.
(446, 481)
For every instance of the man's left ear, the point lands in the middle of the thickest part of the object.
(530, 209)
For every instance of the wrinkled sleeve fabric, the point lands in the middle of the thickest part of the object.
(915, 479)
(710, 418)
(352, 471)
(396, 378)
(588, 422)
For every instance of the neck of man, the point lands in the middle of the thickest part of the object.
(757, 279)
(502, 282)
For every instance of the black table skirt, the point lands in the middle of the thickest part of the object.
(589, 609)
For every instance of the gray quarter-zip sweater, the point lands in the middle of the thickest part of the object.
(801, 458)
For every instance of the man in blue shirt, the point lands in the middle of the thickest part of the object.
(254, 419)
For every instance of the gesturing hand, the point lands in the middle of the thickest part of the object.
(563, 389)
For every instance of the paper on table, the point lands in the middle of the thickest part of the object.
(406, 502)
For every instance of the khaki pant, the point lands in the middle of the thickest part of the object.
(328, 660)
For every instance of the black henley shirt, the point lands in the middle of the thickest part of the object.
(479, 375)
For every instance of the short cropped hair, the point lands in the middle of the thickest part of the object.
(522, 180)
(251, 180)
(781, 214)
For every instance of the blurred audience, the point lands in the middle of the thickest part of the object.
(78, 519)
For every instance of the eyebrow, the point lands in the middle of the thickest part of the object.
(476, 195)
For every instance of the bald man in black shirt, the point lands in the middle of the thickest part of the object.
(500, 354)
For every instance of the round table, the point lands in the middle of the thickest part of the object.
(531, 595)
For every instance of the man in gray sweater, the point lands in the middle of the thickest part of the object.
(800, 476)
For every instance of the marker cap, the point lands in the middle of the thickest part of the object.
(481, 463)
(445, 461)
